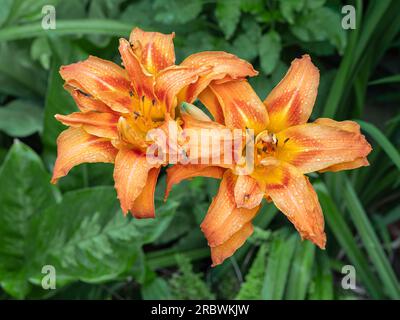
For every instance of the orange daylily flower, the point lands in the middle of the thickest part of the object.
(119, 106)
(286, 148)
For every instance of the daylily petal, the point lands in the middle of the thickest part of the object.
(210, 100)
(225, 66)
(294, 195)
(154, 50)
(171, 80)
(130, 175)
(348, 126)
(248, 193)
(143, 206)
(102, 79)
(241, 106)
(359, 162)
(208, 142)
(228, 248)
(98, 124)
(179, 172)
(86, 102)
(75, 146)
(291, 102)
(142, 80)
(223, 218)
(313, 147)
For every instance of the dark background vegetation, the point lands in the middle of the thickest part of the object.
(77, 226)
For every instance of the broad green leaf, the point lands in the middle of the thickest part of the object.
(269, 49)
(25, 192)
(228, 16)
(301, 270)
(87, 238)
(321, 24)
(245, 44)
(58, 100)
(177, 11)
(6, 8)
(290, 7)
(41, 52)
(158, 289)
(278, 265)
(21, 118)
(16, 70)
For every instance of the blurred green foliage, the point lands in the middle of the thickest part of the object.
(78, 227)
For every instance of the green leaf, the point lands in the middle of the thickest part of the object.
(58, 100)
(251, 288)
(344, 236)
(67, 27)
(279, 259)
(188, 285)
(391, 79)
(20, 118)
(289, 8)
(228, 16)
(25, 192)
(41, 51)
(177, 11)
(322, 282)
(16, 70)
(269, 49)
(158, 289)
(86, 237)
(371, 242)
(380, 138)
(321, 24)
(301, 270)
(246, 43)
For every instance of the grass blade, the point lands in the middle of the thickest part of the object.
(301, 271)
(278, 264)
(371, 242)
(346, 240)
(67, 27)
(391, 79)
(380, 138)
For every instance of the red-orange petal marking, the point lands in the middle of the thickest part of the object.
(350, 126)
(102, 79)
(241, 106)
(130, 175)
(225, 66)
(75, 146)
(294, 195)
(98, 124)
(179, 172)
(313, 147)
(143, 206)
(154, 50)
(291, 102)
